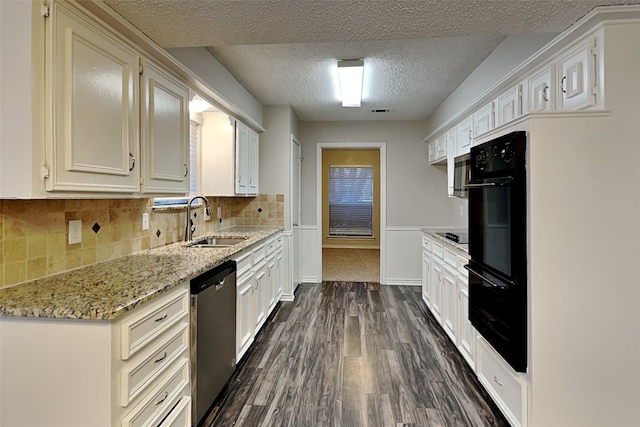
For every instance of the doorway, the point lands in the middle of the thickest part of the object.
(351, 218)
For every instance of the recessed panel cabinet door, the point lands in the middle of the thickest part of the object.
(91, 107)
(242, 158)
(165, 132)
(254, 169)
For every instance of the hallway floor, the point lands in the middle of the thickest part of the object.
(351, 265)
(353, 354)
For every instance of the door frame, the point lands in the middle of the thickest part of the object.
(295, 257)
(382, 147)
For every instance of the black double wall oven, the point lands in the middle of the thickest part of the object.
(498, 245)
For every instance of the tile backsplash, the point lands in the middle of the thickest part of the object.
(34, 233)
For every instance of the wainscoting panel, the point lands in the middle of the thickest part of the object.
(403, 254)
(287, 269)
(311, 268)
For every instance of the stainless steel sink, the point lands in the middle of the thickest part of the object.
(216, 242)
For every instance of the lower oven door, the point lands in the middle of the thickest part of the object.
(498, 311)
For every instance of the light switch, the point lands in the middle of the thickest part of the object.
(219, 213)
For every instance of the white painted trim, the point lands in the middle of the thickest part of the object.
(409, 228)
(403, 282)
(293, 215)
(287, 298)
(382, 146)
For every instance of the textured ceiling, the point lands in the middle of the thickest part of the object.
(284, 52)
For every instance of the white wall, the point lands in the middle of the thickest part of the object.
(509, 54)
(416, 191)
(211, 72)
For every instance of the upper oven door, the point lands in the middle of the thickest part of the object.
(461, 174)
(491, 224)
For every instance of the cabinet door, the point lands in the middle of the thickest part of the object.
(508, 106)
(466, 331)
(244, 314)
(577, 77)
(242, 156)
(448, 286)
(540, 90)
(426, 278)
(93, 85)
(254, 157)
(165, 132)
(279, 275)
(272, 284)
(482, 120)
(432, 151)
(465, 135)
(260, 298)
(436, 287)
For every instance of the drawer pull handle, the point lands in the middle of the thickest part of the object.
(497, 382)
(161, 318)
(161, 359)
(163, 399)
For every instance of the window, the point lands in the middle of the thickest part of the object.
(194, 169)
(351, 201)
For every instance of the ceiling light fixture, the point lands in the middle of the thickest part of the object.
(350, 73)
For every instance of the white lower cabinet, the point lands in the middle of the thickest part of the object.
(448, 308)
(507, 388)
(258, 287)
(89, 375)
(437, 279)
(466, 331)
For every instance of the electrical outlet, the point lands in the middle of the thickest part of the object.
(207, 214)
(461, 210)
(75, 231)
(219, 210)
(145, 221)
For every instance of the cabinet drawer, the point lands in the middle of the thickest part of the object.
(159, 402)
(181, 414)
(507, 390)
(436, 248)
(426, 243)
(147, 325)
(462, 261)
(258, 254)
(451, 258)
(271, 246)
(243, 263)
(137, 375)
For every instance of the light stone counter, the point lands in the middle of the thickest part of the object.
(432, 233)
(109, 289)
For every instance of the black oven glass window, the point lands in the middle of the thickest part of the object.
(497, 241)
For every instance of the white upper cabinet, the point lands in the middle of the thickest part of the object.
(247, 156)
(508, 106)
(577, 75)
(242, 158)
(230, 155)
(464, 137)
(92, 108)
(254, 167)
(540, 92)
(164, 132)
(438, 149)
(483, 120)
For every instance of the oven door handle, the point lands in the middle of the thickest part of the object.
(484, 279)
(483, 185)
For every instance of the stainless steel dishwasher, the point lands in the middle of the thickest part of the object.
(213, 336)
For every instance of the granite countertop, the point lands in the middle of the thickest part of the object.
(464, 247)
(107, 290)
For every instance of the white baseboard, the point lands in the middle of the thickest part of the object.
(287, 298)
(403, 282)
(310, 279)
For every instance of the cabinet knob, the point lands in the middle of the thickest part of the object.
(133, 162)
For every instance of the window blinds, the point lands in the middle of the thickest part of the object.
(351, 201)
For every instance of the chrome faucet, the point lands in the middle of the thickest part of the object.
(188, 232)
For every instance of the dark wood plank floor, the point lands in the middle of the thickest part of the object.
(350, 355)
